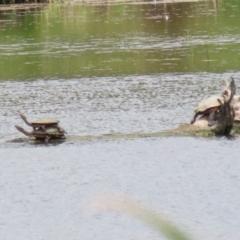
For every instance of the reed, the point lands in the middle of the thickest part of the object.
(135, 209)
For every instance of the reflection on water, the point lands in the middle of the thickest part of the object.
(86, 41)
(117, 69)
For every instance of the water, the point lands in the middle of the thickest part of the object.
(46, 192)
(86, 41)
(116, 69)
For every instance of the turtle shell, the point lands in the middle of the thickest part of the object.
(50, 132)
(208, 103)
(45, 121)
(236, 100)
(236, 108)
(237, 117)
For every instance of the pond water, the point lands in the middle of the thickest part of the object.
(117, 69)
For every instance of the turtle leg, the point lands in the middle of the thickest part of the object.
(47, 138)
(61, 130)
(212, 118)
(194, 118)
(39, 128)
(43, 127)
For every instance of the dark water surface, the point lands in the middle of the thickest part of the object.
(117, 69)
(113, 40)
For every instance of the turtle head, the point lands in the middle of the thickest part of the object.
(25, 119)
(20, 129)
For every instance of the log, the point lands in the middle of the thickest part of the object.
(226, 114)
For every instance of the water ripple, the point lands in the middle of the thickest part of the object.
(108, 104)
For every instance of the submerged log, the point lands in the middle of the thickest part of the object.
(224, 127)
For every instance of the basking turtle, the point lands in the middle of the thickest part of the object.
(43, 123)
(237, 118)
(236, 100)
(43, 134)
(208, 105)
(204, 120)
(236, 109)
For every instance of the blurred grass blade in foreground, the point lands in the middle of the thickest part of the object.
(137, 210)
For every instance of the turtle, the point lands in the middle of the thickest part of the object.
(235, 100)
(43, 123)
(236, 109)
(208, 105)
(43, 134)
(203, 121)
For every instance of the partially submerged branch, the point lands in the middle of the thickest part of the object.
(226, 113)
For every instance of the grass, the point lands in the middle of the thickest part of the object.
(142, 213)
